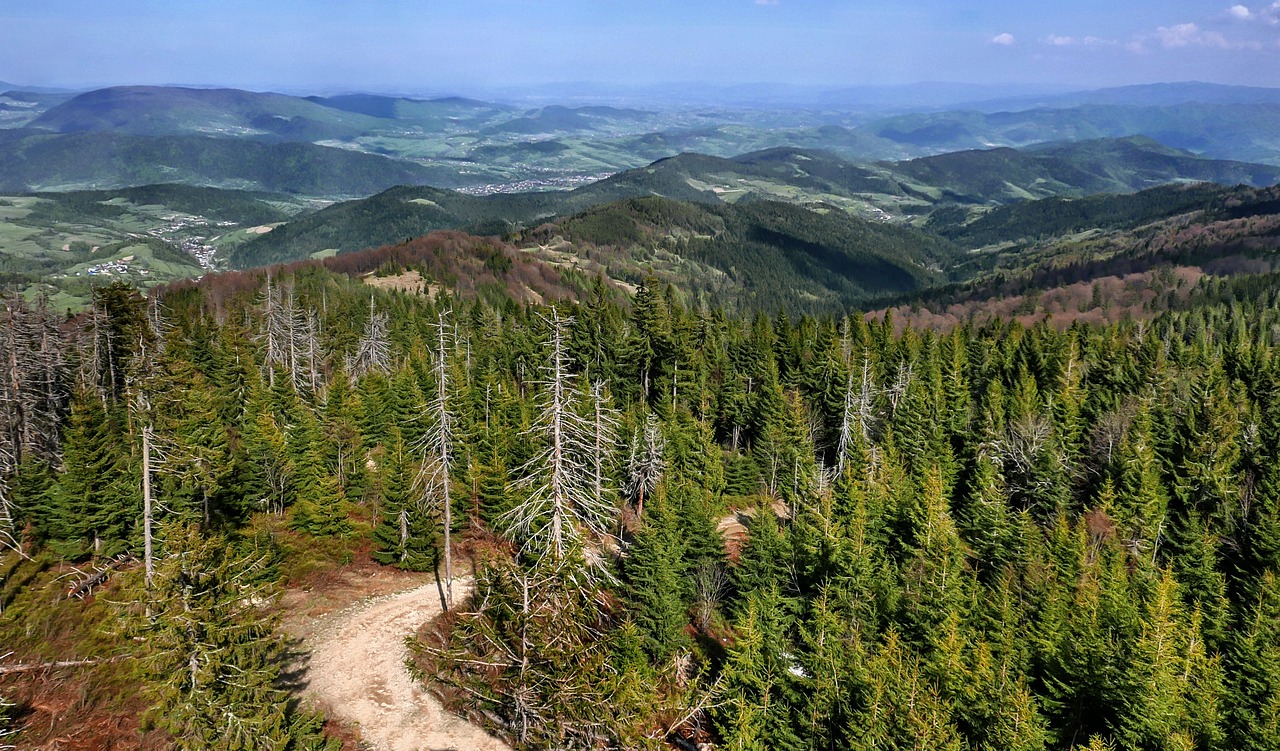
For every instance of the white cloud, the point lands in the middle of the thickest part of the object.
(1182, 35)
(1269, 14)
(1067, 41)
(1005, 40)
(1190, 35)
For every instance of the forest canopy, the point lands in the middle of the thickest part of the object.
(688, 526)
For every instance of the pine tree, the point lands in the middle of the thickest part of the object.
(653, 583)
(755, 711)
(94, 507)
(404, 535)
(320, 506)
(1252, 717)
(213, 660)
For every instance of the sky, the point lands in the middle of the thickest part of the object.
(457, 46)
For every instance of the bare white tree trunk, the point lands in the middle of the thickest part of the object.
(148, 564)
(605, 434)
(560, 510)
(437, 463)
(444, 446)
(645, 465)
(373, 351)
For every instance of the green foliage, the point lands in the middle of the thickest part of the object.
(40, 160)
(854, 536)
(405, 535)
(653, 583)
(213, 660)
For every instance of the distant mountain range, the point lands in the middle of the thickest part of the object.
(835, 206)
(1109, 165)
(1144, 95)
(32, 159)
(470, 142)
(1247, 132)
(807, 178)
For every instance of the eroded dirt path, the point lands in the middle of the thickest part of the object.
(356, 672)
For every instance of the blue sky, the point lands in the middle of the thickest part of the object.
(435, 45)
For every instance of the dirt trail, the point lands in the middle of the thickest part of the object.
(357, 673)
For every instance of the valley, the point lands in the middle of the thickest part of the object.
(798, 417)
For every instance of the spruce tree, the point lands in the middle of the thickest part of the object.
(213, 660)
(653, 583)
(1253, 673)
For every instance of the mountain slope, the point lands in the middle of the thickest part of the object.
(38, 160)
(63, 243)
(1075, 169)
(1034, 221)
(763, 255)
(431, 115)
(167, 111)
(807, 178)
(1248, 132)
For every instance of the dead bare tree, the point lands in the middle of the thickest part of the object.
(33, 389)
(899, 387)
(710, 585)
(373, 351)
(437, 461)
(645, 464)
(605, 423)
(859, 415)
(290, 338)
(560, 511)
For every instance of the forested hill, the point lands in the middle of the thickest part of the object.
(755, 255)
(1054, 217)
(759, 255)
(1119, 165)
(228, 113)
(38, 160)
(890, 190)
(687, 526)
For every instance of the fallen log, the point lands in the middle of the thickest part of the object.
(33, 666)
(84, 588)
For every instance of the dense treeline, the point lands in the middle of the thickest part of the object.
(765, 254)
(1053, 217)
(757, 532)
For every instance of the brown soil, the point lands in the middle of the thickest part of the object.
(355, 671)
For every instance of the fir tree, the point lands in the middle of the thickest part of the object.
(213, 660)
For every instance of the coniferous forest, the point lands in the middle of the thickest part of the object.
(659, 526)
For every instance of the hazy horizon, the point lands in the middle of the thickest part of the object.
(411, 47)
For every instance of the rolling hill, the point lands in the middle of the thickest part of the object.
(1247, 132)
(757, 255)
(33, 159)
(62, 243)
(809, 178)
(1025, 222)
(171, 111)
(19, 107)
(1075, 169)
(441, 115)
